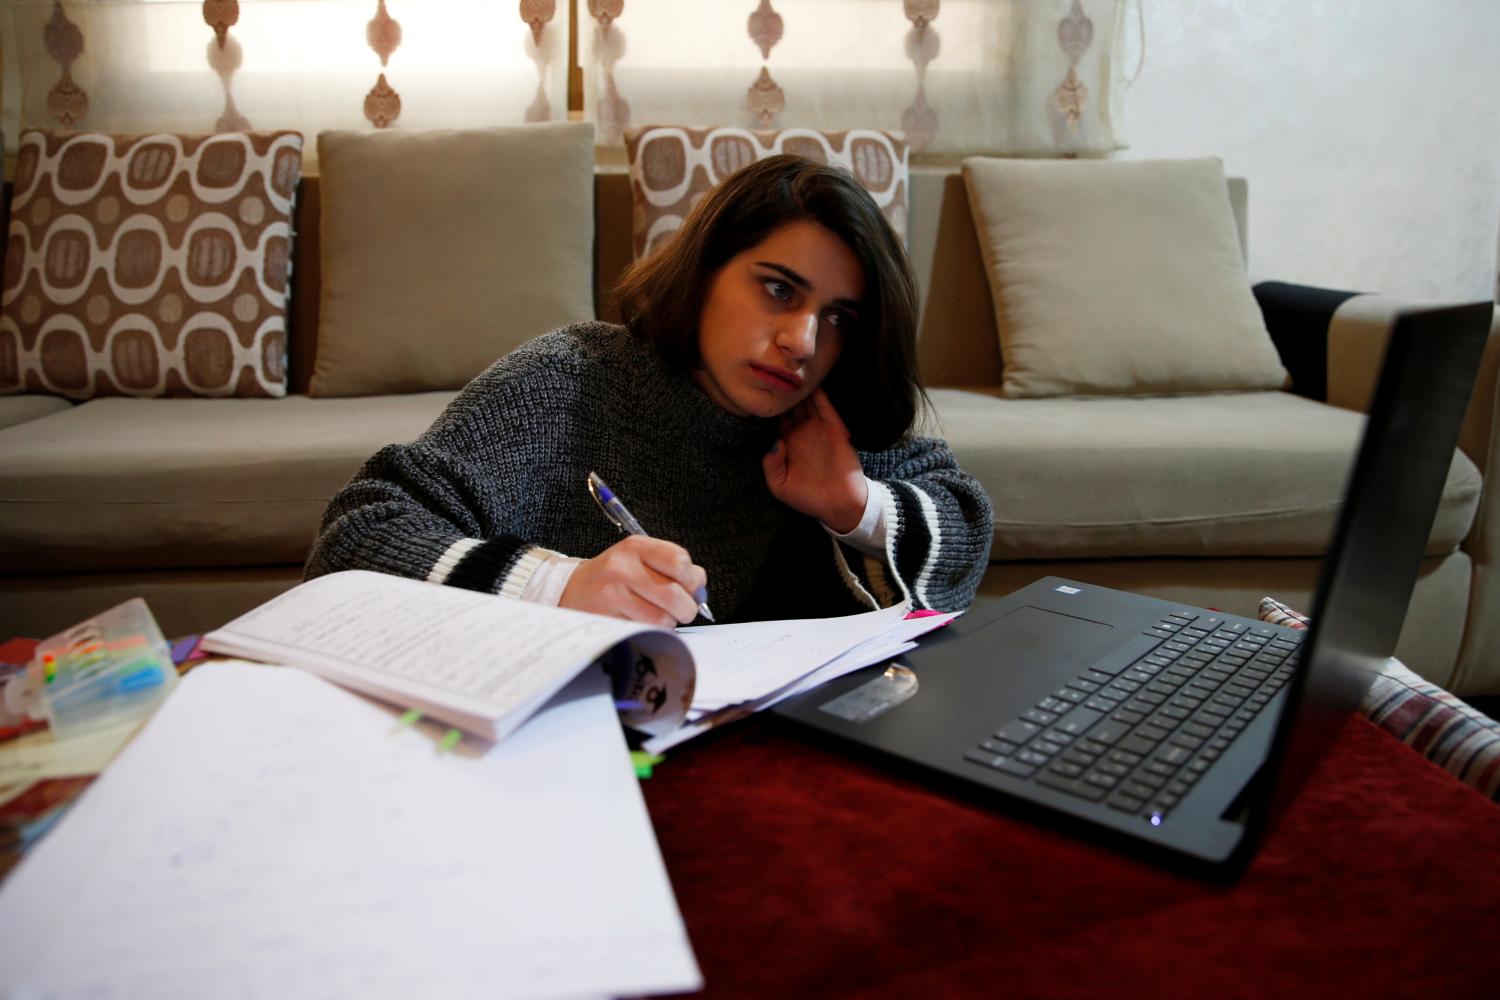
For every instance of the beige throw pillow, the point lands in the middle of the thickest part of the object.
(671, 167)
(1118, 276)
(444, 250)
(149, 265)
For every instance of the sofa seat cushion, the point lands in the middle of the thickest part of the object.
(138, 484)
(1225, 474)
(19, 409)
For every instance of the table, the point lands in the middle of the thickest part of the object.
(802, 870)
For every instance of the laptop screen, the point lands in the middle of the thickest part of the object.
(1395, 486)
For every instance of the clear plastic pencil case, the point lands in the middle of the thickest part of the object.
(110, 669)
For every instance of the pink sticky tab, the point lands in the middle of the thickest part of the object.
(928, 613)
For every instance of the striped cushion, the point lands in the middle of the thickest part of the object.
(1443, 728)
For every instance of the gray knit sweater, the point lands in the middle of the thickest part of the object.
(501, 477)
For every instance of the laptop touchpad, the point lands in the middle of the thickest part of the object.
(1031, 634)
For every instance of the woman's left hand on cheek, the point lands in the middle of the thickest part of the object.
(813, 468)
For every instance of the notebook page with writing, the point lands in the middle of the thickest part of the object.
(477, 661)
(272, 835)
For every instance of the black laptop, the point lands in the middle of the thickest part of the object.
(1180, 732)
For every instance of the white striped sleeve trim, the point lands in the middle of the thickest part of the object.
(850, 580)
(450, 558)
(880, 580)
(514, 584)
(930, 515)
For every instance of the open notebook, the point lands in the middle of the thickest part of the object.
(484, 664)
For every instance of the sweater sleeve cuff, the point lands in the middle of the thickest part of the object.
(500, 565)
(868, 536)
(515, 581)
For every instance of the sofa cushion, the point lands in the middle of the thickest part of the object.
(1118, 277)
(671, 167)
(152, 265)
(443, 250)
(19, 409)
(162, 483)
(1255, 474)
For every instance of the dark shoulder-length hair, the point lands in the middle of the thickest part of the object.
(875, 385)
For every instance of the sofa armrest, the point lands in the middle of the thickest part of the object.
(1297, 317)
(1357, 337)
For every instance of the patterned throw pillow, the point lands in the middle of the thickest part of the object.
(671, 168)
(151, 265)
(1443, 728)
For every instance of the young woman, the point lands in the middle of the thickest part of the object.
(755, 414)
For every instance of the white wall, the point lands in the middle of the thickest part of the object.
(1369, 132)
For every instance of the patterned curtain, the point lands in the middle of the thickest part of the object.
(1019, 77)
(224, 65)
(1023, 77)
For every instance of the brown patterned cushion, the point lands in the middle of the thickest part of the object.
(151, 265)
(671, 167)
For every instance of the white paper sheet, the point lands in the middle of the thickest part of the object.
(897, 638)
(900, 639)
(740, 663)
(270, 835)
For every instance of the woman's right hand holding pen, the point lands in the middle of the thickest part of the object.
(644, 579)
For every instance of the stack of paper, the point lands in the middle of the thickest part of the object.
(745, 668)
(269, 835)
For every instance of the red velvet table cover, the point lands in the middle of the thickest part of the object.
(804, 871)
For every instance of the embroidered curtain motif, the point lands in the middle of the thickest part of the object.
(136, 66)
(1020, 77)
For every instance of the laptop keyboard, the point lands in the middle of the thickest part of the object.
(1137, 729)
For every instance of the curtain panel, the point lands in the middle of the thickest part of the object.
(1010, 77)
(225, 65)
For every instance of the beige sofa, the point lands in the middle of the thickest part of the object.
(206, 507)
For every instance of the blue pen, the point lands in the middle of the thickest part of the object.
(616, 512)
